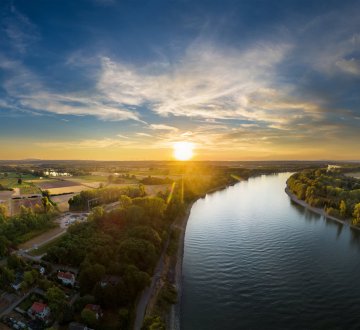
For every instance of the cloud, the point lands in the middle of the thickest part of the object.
(351, 66)
(18, 28)
(28, 92)
(208, 83)
(163, 127)
(86, 144)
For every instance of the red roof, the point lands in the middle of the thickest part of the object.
(38, 307)
(94, 308)
(67, 275)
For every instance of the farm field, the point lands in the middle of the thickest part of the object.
(5, 195)
(26, 187)
(62, 201)
(56, 184)
(355, 175)
(68, 190)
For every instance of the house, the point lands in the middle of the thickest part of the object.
(109, 280)
(95, 309)
(66, 278)
(39, 310)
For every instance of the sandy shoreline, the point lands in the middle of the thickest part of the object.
(318, 210)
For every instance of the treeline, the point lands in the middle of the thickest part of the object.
(20, 228)
(337, 193)
(153, 180)
(101, 196)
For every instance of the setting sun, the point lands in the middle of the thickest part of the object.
(183, 150)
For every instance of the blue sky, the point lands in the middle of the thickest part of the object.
(108, 79)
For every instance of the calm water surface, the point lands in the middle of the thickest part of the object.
(255, 260)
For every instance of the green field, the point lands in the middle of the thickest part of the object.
(11, 181)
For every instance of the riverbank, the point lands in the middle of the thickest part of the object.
(316, 209)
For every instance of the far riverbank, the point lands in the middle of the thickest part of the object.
(318, 210)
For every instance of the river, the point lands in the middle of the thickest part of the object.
(255, 260)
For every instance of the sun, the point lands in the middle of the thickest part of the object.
(183, 150)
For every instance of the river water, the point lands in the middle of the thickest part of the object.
(255, 260)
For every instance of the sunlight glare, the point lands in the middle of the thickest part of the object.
(183, 150)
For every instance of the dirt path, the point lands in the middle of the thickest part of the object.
(42, 238)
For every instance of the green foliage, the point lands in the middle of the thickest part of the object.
(356, 214)
(89, 317)
(103, 196)
(153, 323)
(7, 276)
(56, 299)
(30, 278)
(336, 193)
(18, 229)
(151, 180)
(90, 276)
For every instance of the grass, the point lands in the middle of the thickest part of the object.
(25, 304)
(44, 248)
(31, 234)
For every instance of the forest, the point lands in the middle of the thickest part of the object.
(336, 193)
(125, 244)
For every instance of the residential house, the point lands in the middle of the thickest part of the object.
(39, 310)
(66, 278)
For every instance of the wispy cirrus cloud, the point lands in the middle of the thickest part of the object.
(18, 28)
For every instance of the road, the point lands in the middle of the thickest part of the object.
(147, 293)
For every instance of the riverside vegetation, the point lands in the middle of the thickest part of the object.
(126, 244)
(331, 190)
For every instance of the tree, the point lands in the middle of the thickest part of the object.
(4, 245)
(19, 181)
(3, 211)
(90, 276)
(89, 317)
(7, 276)
(96, 213)
(46, 204)
(125, 201)
(356, 213)
(15, 262)
(343, 209)
(57, 300)
(30, 277)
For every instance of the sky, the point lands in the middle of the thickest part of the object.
(126, 79)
